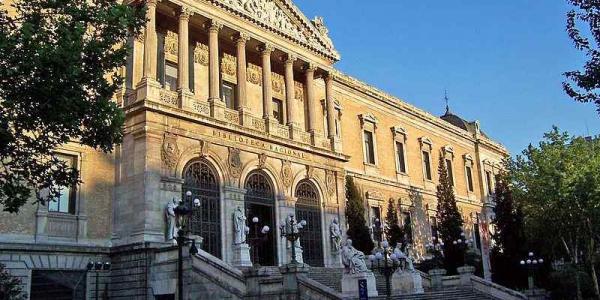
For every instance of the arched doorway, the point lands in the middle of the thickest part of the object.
(260, 202)
(200, 179)
(307, 208)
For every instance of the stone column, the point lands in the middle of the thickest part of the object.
(241, 78)
(265, 52)
(150, 46)
(148, 88)
(310, 101)
(330, 110)
(183, 70)
(217, 106)
(291, 97)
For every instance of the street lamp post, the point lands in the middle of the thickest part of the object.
(463, 244)
(385, 262)
(183, 212)
(532, 264)
(291, 232)
(97, 267)
(257, 240)
(436, 248)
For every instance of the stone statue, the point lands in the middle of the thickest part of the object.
(408, 263)
(239, 226)
(170, 220)
(353, 260)
(336, 235)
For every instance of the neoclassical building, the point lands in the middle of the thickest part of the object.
(239, 102)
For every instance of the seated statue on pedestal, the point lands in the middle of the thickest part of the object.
(353, 260)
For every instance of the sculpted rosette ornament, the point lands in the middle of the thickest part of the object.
(235, 162)
(286, 173)
(170, 151)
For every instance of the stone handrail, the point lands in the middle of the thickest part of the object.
(219, 272)
(311, 289)
(495, 290)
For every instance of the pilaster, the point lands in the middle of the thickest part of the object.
(265, 52)
(217, 107)
(183, 84)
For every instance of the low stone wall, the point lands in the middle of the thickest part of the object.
(495, 290)
(309, 289)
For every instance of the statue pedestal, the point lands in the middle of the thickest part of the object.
(241, 255)
(436, 276)
(350, 284)
(407, 282)
(298, 255)
(465, 273)
(336, 260)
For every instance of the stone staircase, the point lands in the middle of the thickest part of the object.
(332, 277)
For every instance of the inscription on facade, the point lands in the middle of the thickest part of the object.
(259, 144)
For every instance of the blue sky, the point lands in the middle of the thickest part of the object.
(501, 61)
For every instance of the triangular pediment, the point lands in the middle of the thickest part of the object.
(283, 17)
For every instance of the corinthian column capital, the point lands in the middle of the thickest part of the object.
(185, 13)
(266, 48)
(214, 26)
(242, 38)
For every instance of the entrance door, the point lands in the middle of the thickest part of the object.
(260, 202)
(200, 179)
(307, 208)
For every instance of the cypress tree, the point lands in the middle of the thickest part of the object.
(393, 232)
(449, 220)
(358, 231)
(508, 238)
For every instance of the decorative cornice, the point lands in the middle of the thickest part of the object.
(368, 117)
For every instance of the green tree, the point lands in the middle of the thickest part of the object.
(358, 231)
(10, 287)
(449, 220)
(557, 185)
(582, 85)
(393, 232)
(58, 73)
(509, 237)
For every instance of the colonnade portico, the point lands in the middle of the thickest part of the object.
(268, 52)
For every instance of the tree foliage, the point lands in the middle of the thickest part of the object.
(449, 220)
(358, 231)
(557, 185)
(10, 286)
(58, 73)
(393, 232)
(509, 237)
(583, 85)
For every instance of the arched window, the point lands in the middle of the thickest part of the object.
(260, 202)
(307, 208)
(200, 179)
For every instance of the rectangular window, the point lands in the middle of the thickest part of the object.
(400, 157)
(171, 76)
(434, 231)
(427, 165)
(65, 203)
(488, 182)
(469, 178)
(228, 94)
(450, 173)
(278, 110)
(407, 225)
(369, 148)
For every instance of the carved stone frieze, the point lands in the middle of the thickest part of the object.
(269, 13)
(330, 182)
(235, 162)
(298, 91)
(262, 160)
(201, 54)
(204, 146)
(286, 173)
(171, 42)
(310, 172)
(228, 64)
(373, 194)
(170, 151)
(168, 97)
(254, 74)
(277, 83)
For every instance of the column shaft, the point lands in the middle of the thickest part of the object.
(310, 98)
(241, 71)
(183, 70)
(150, 41)
(213, 61)
(267, 91)
(330, 106)
(289, 91)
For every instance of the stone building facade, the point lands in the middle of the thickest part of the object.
(239, 102)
